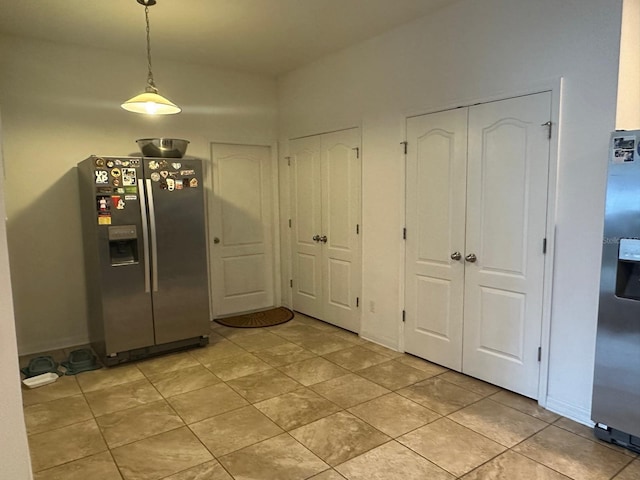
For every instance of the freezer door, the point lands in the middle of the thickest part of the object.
(115, 228)
(179, 277)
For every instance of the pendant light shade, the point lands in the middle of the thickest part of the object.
(150, 102)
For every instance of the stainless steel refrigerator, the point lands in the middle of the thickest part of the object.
(145, 255)
(616, 389)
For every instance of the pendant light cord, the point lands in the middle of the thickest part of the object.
(151, 84)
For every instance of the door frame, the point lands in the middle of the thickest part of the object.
(555, 87)
(207, 165)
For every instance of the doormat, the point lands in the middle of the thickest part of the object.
(266, 318)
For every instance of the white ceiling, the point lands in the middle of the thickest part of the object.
(258, 36)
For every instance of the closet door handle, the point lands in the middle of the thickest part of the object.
(316, 238)
(323, 239)
(456, 256)
(471, 258)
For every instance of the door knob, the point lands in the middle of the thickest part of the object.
(456, 256)
(316, 238)
(471, 258)
(323, 239)
(216, 240)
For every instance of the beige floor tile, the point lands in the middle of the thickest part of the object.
(394, 374)
(512, 466)
(473, 384)
(297, 333)
(349, 390)
(284, 354)
(356, 358)
(339, 437)
(500, 423)
(121, 397)
(294, 409)
(216, 351)
(65, 386)
(313, 370)
(259, 341)
(439, 395)
(206, 471)
(387, 352)
(317, 324)
(96, 467)
(572, 455)
(587, 432)
(161, 455)
(137, 423)
(279, 458)
(327, 475)
(56, 447)
(525, 405)
(234, 430)
(206, 402)
(452, 447)
(391, 460)
(393, 414)
(235, 332)
(167, 363)
(263, 385)
(631, 472)
(56, 413)
(350, 337)
(237, 366)
(324, 343)
(108, 377)
(183, 381)
(431, 368)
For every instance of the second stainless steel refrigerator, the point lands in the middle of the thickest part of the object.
(145, 255)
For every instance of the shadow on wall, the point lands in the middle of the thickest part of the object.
(47, 269)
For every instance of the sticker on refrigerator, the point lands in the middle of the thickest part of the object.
(193, 183)
(115, 182)
(125, 163)
(185, 183)
(110, 163)
(128, 176)
(104, 190)
(164, 164)
(153, 165)
(163, 185)
(119, 190)
(128, 189)
(116, 172)
(104, 219)
(118, 202)
(102, 177)
(171, 184)
(130, 197)
(104, 204)
(164, 174)
(134, 162)
(624, 148)
(186, 173)
(99, 162)
(176, 165)
(179, 185)
(118, 162)
(155, 176)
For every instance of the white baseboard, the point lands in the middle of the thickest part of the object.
(30, 348)
(573, 412)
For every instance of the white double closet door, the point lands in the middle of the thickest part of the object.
(325, 173)
(476, 221)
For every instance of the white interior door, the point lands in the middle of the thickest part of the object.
(241, 219)
(507, 179)
(341, 270)
(306, 226)
(435, 222)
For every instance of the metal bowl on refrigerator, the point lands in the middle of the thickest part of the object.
(163, 147)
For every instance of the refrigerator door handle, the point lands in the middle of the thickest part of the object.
(154, 240)
(145, 237)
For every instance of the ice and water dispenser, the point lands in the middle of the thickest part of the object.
(123, 245)
(628, 269)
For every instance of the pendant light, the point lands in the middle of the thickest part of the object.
(150, 102)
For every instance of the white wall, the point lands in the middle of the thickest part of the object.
(14, 451)
(472, 50)
(62, 104)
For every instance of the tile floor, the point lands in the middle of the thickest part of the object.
(303, 400)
